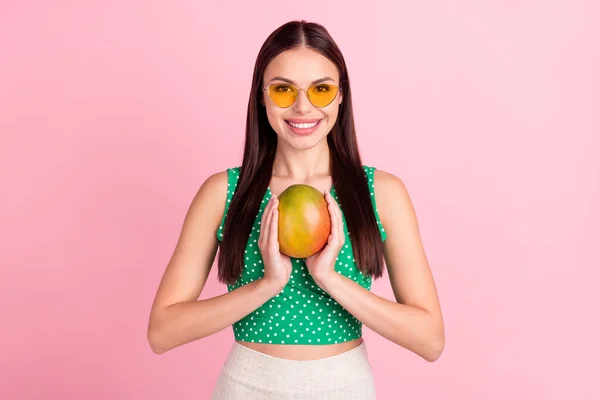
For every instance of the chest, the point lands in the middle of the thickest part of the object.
(300, 278)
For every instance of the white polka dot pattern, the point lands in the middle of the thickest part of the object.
(302, 313)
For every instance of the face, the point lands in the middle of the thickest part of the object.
(301, 67)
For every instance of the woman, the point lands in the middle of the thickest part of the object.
(298, 321)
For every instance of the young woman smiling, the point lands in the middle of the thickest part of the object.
(298, 322)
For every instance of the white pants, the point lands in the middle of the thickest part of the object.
(251, 375)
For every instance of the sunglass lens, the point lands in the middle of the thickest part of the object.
(283, 95)
(322, 95)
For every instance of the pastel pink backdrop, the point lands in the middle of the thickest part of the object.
(112, 113)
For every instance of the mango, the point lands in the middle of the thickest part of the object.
(304, 221)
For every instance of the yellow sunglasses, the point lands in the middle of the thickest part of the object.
(286, 94)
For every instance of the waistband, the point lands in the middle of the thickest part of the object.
(262, 370)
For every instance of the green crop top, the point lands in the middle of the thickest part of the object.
(302, 313)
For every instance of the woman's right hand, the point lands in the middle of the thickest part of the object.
(278, 266)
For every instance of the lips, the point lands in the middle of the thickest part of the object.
(302, 121)
(303, 131)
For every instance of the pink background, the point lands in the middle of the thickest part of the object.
(112, 113)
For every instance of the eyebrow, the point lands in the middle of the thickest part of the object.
(279, 78)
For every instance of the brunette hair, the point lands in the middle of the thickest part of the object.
(347, 170)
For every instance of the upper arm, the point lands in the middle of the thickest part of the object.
(410, 275)
(196, 248)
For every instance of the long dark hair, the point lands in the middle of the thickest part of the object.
(347, 170)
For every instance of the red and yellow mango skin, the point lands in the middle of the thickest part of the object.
(304, 221)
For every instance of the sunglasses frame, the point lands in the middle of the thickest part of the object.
(339, 89)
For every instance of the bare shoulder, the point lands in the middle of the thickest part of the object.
(391, 195)
(388, 183)
(217, 178)
(212, 195)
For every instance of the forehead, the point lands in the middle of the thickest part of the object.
(301, 65)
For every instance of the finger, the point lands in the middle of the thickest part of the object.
(341, 227)
(273, 227)
(342, 235)
(269, 215)
(264, 222)
(333, 218)
(339, 224)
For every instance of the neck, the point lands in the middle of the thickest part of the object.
(302, 164)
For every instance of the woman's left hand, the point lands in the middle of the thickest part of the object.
(321, 265)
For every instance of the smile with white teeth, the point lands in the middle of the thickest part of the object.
(303, 126)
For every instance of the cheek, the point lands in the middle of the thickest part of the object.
(332, 113)
(275, 115)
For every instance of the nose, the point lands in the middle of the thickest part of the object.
(302, 104)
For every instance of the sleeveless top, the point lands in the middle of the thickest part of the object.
(302, 313)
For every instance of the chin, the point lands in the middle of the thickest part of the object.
(301, 144)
